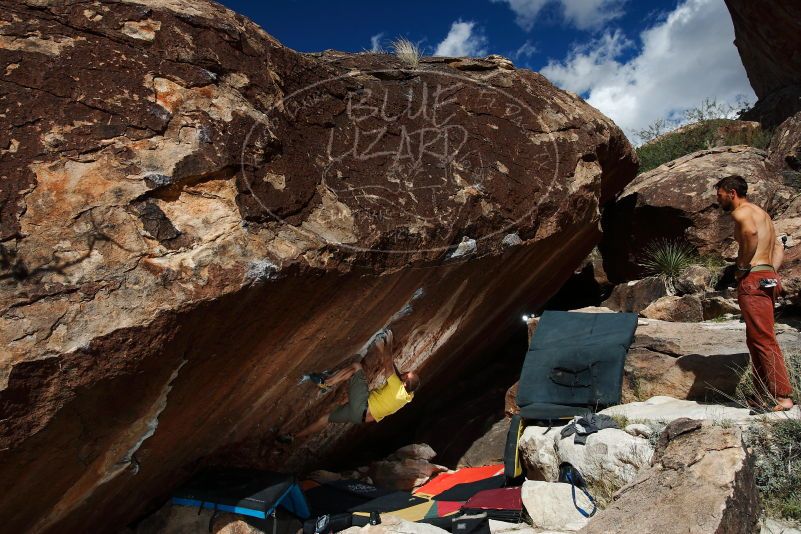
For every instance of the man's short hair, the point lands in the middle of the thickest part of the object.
(411, 381)
(735, 182)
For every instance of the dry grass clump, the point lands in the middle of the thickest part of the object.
(407, 52)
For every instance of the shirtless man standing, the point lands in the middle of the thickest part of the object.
(758, 260)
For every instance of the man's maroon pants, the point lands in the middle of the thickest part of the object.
(756, 305)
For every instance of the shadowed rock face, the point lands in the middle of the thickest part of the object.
(768, 36)
(194, 215)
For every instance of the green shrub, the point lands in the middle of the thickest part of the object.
(704, 127)
(699, 136)
(715, 264)
(674, 145)
(777, 451)
(750, 388)
(776, 445)
(667, 258)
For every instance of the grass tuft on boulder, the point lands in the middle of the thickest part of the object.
(408, 52)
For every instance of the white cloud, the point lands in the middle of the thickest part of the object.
(526, 50)
(375, 42)
(591, 14)
(590, 65)
(526, 10)
(583, 14)
(463, 39)
(687, 57)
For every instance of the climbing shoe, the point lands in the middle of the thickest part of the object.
(317, 378)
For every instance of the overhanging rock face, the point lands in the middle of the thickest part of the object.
(768, 35)
(194, 215)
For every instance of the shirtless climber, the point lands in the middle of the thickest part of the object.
(759, 257)
(366, 406)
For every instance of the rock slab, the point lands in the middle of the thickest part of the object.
(702, 481)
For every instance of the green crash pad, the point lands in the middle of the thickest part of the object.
(574, 363)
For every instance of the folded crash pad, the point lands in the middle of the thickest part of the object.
(503, 504)
(465, 490)
(339, 496)
(243, 491)
(445, 481)
(397, 500)
(574, 363)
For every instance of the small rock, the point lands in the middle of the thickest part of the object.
(465, 248)
(639, 430)
(694, 279)
(418, 451)
(405, 474)
(636, 295)
(511, 240)
(717, 307)
(538, 452)
(321, 475)
(685, 309)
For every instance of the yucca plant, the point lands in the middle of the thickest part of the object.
(406, 51)
(667, 258)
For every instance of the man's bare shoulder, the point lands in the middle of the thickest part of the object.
(749, 210)
(742, 213)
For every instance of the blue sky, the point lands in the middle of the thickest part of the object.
(635, 60)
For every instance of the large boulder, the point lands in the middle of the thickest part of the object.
(189, 222)
(702, 481)
(766, 35)
(610, 457)
(784, 151)
(677, 201)
(550, 506)
(487, 449)
(698, 361)
(785, 155)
